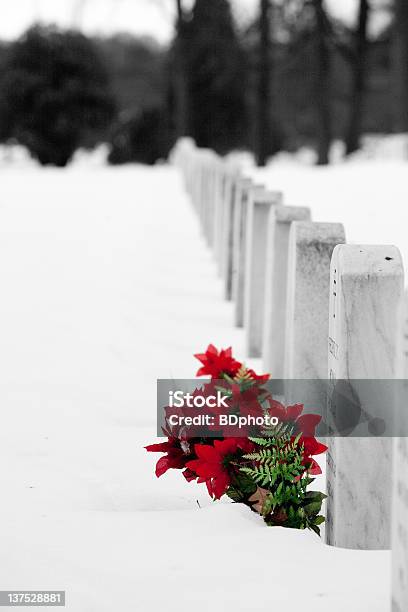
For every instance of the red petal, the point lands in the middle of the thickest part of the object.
(258, 377)
(220, 485)
(312, 446)
(294, 412)
(209, 487)
(189, 475)
(206, 453)
(163, 447)
(162, 466)
(276, 409)
(224, 447)
(314, 467)
(203, 469)
(307, 424)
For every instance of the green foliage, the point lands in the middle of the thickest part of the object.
(242, 488)
(276, 467)
(272, 479)
(280, 461)
(304, 514)
(270, 434)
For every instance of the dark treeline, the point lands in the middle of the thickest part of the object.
(293, 77)
(306, 79)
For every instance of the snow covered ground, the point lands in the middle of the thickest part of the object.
(107, 285)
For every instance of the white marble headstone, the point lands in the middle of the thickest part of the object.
(307, 318)
(231, 175)
(211, 197)
(280, 221)
(259, 206)
(365, 301)
(218, 210)
(219, 220)
(400, 527)
(240, 198)
(199, 195)
(400, 488)
(240, 231)
(194, 179)
(207, 200)
(239, 189)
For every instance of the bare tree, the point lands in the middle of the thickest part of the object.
(179, 80)
(179, 8)
(400, 66)
(322, 84)
(358, 59)
(263, 127)
(181, 83)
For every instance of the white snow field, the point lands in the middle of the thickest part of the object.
(107, 285)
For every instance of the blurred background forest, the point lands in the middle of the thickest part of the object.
(292, 76)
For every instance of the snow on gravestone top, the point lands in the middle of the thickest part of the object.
(259, 206)
(307, 320)
(366, 291)
(276, 285)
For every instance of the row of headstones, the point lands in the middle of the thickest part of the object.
(314, 307)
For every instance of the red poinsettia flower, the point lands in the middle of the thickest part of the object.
(215, 363)
(213, 462)
(305, 424)
(311, 448)
(178, 453)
